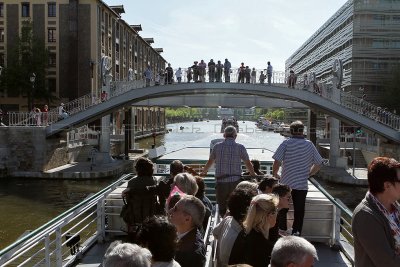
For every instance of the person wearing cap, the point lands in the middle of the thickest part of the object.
(376, 220)
(61, 112)
(228, 156)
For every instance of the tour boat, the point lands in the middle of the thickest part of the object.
(80, 236)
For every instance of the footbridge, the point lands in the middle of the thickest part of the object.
(334, 102)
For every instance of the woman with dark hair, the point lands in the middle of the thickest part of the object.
(160, 237)
(140, 203)
(227, 231)
(376, 220)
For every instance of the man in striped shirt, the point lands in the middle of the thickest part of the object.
(300, 160)
(227, 156)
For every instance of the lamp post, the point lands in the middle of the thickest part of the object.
(32, 79)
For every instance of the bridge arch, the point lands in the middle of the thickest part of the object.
(312, 100)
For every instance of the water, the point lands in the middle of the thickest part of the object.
(29, 203)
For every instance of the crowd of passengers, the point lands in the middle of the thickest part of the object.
(167, 219)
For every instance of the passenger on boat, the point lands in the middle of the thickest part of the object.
(159, 236)
(284, 193)
(204, 199)
(266, 184)
(300, 160)
(228, 229)
(227, 156)
(376, 220)
(254, 244)
(256, 166)
(187, 216)
(121, 254)
(140, 203)
(290, 251)
(163, 187)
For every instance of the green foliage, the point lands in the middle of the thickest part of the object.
(277, 114)
(391, 96)
(182, 112)
(28, 56)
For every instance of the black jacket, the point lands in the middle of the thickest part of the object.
(191, 250)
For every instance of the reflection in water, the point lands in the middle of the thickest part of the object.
(29, 203)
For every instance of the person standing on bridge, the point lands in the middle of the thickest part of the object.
(241, 73)
(170, 73)
(227, 156)
(211, 71)
(227, 70)
(178, 75)
(195, 69)
(220, 68)
(300, 160)
(148, 75)
(202, 71)
(269, 72)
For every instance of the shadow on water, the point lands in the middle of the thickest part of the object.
(27, 204)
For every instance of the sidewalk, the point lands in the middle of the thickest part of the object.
(342, 176)
(85, 170)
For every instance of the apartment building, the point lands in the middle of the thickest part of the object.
(77, 33)
(365, 35)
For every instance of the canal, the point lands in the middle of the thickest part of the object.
(29, 203)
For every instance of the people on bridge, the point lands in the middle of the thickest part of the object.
(195, 69)
(170, 74)
(148, 75)
(300, 160)
(103, 96)
(219, 70)
(45, 115)
(189, 74)
(178, 75)
(202, 71)
(262, 77)
(241, 73)
(269, 72)
(227, 156)
(376, 220)
(227, 70)
(254, 76)
(211, 71)
(292, 79)
(247, 74)
(62, 113)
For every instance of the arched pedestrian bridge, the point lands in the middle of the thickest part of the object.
(333, 102)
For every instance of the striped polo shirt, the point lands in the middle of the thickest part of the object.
(297, 155)
(228, 156)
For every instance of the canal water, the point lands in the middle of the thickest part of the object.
(29, 203)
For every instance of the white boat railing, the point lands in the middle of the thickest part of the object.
(65, 238)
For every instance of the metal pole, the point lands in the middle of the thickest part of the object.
(354, 149)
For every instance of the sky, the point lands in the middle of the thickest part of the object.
(249, 31)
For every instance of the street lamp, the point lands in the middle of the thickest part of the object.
(32, 79)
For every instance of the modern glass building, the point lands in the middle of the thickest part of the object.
(365, 35)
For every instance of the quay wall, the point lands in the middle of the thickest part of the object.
(27, 149)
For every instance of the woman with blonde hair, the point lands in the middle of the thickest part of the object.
(261, 216)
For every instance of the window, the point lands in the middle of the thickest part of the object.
(1, 35)
(51, 9)
(25, 9)
(1, 9)
(52, 59)
(51, 35)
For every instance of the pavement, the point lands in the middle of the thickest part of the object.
(86, 170)
(344, 176)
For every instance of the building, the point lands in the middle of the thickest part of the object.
(77, 33)
(365, 35)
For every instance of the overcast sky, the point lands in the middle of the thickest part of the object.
(249, 31)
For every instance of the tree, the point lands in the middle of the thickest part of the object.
(29, 57)
(391, 96)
